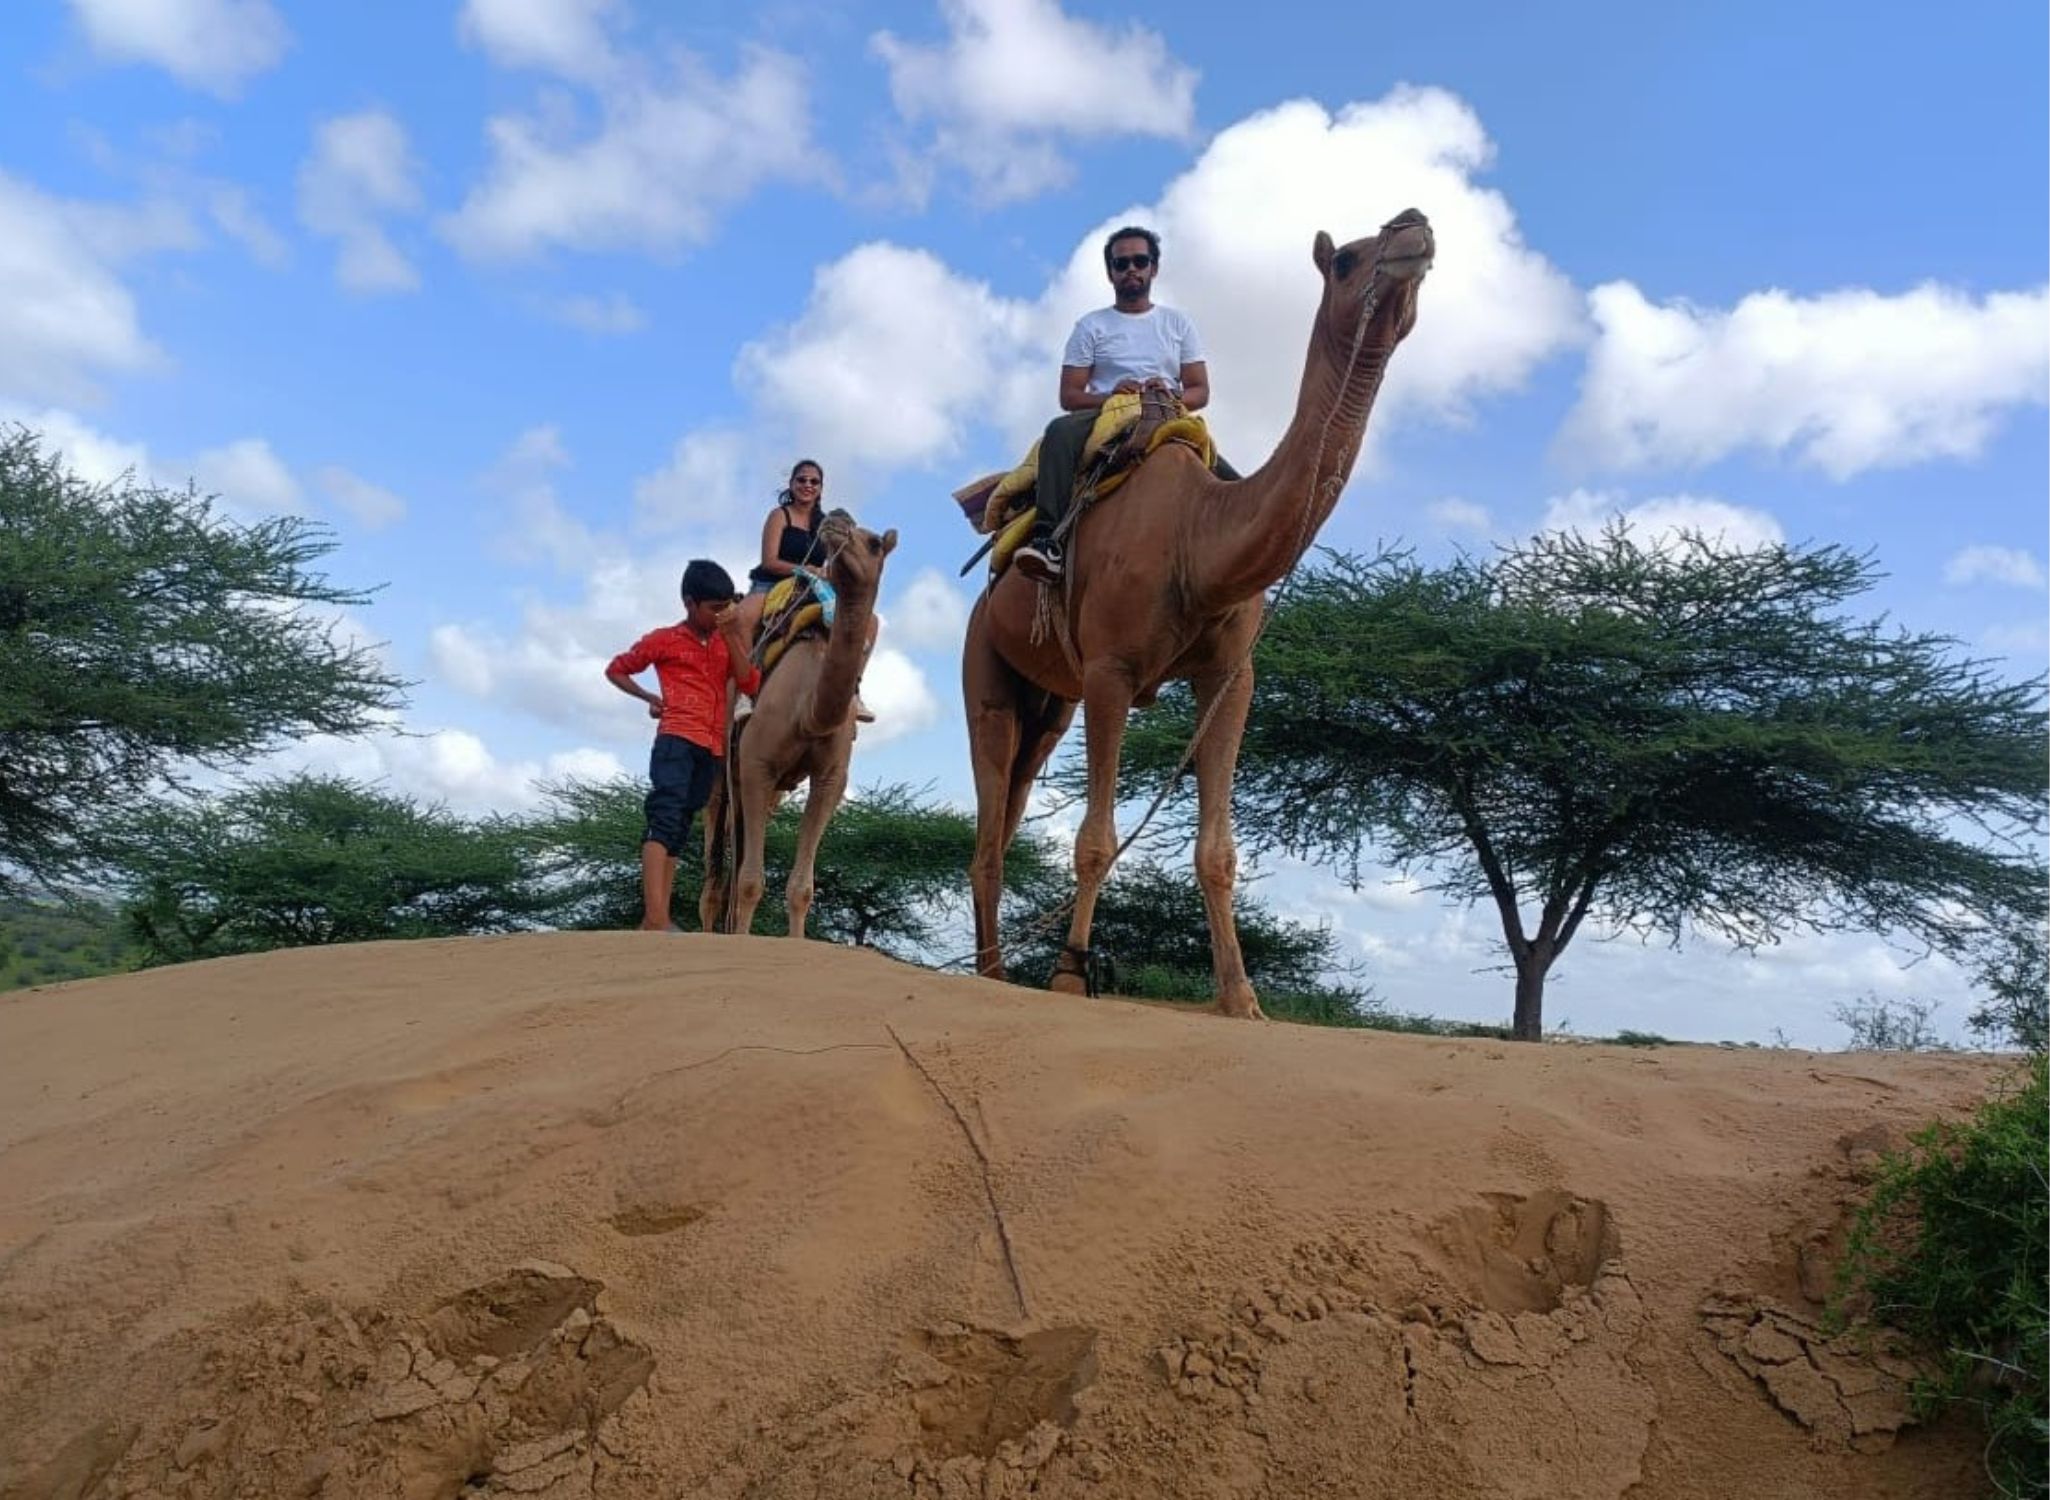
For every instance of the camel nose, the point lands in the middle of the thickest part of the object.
(1409, 218)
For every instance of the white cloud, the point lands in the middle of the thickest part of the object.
(535, 526)
(214, 45)
(1016, 76)
(236, 215)
(891, 360)
(87, 452)
(372, 507)
(361, 170)
(1655, 522)
(1454, 514)
(674, 145)
(1844, 382)
(65, 316)
(896, 358)
(930, 614)
(897, 693)
(451, 766)
(611, 315)
(717, 482)
(1982, 564)
(247, 475)
(557, 36)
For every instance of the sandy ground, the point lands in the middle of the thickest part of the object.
(626, 1215)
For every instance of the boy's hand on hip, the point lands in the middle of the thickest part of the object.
(655, 707)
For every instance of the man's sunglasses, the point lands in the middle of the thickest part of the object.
(1130, 262)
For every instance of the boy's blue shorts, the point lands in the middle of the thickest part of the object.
(680, 773)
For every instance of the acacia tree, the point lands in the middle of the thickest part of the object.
(142, 635)
(1675, 735)
(311, 859)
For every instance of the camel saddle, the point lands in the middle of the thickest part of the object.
(1128, 429)
(801, 605)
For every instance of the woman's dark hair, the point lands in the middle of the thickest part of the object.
(1129, 232)
(784, 496)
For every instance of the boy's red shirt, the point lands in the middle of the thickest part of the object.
(693, 675)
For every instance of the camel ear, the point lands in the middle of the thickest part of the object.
(889, 541)
(1322, 251)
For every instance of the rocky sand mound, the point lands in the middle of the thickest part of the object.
(617, 1215)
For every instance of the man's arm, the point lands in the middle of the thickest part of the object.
(1196, 385)
(1076, 395)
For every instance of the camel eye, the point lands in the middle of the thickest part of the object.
(1343, 266)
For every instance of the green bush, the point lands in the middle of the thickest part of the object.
(1951, 1250)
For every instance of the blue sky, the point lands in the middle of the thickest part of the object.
(532, 300)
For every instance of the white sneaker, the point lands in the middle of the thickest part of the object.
(743, 705)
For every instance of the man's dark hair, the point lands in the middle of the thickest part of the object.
(1132, 232)
(706, 580)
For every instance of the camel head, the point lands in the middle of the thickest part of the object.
(854, 554)
(1375, 279)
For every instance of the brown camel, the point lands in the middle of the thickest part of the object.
(1166, 581)
(802, 729)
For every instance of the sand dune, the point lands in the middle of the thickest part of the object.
(618, 1215)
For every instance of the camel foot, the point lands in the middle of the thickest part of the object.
(1242, 1006)
(1065, 983)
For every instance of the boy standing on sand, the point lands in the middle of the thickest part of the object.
(693, 661)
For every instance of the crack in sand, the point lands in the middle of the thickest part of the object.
(989, 1191)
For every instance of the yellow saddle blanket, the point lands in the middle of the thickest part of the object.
(790, 611)
(1001, 504)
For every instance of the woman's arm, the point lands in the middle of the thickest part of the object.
(772, 540)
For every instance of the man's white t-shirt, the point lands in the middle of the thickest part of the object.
(1114, 346)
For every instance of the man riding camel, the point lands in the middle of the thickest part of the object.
(1133, 343)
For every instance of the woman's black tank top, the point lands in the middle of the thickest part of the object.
(799, 545)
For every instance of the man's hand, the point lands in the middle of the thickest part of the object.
(655, 708)
(1127, 388)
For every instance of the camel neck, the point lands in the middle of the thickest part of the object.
(1256, 528)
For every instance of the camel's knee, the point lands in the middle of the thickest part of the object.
(1217, 865)
(1094, 850)
(798, 896)
(749, 890)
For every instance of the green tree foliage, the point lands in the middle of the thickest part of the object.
(47, 942)
(2014, 986)
(1150, 923)
(1953, 1248)
(1676, 736)
(140, 635)
(311, 859)
(891, 870)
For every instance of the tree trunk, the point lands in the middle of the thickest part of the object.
(1529, 1023)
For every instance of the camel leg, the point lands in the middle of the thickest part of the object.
(712, 895)
(822, 798)
(1217, 862)
(989, 692)
(755, 790)
(1106, 701)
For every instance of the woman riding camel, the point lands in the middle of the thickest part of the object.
(790, 541)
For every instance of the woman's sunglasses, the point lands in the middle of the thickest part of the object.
(1130, 262)
(806, 479)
